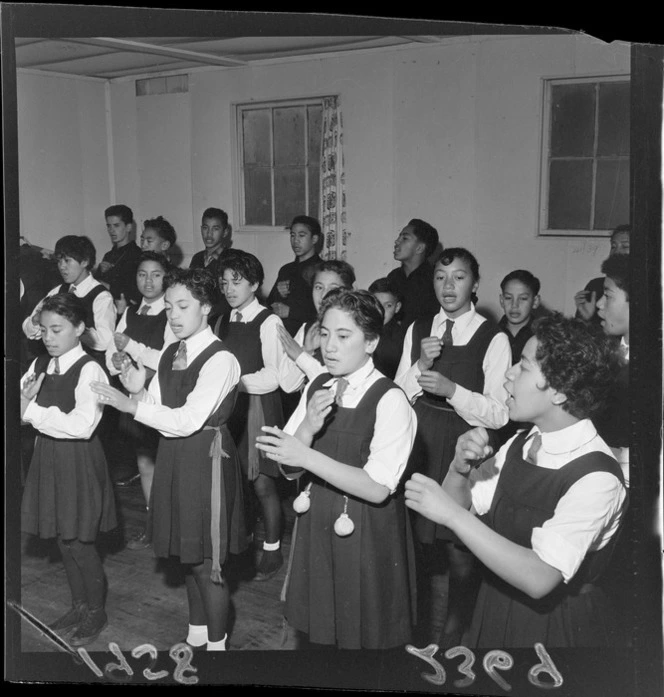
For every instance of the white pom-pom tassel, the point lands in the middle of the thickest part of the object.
(302, 503)
(343, 525)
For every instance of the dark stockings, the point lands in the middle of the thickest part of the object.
(268, 496)
(208, 602)
(85, 572)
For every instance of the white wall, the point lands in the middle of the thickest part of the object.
(449, 133)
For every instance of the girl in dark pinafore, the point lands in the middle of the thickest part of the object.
(68, 493)
(196, 510)
(547, 508)
(351, 579)
(453, 365)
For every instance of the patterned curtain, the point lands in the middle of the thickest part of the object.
(333, 183)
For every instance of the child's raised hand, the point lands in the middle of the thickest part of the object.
(312, 338)
(586, 304)
(291, 347)
(319, 407)
(472, 449)
(113, 398)
(133, 377)
(32, 385)
(430, 349)
(281, 310)
(120, 307)
(118, 359)
(435, 383)
(282, 447)
(121, 340)
(426, 497)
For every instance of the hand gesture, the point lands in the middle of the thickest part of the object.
(291, 347)
(430, 349)
(120, 340)
(312, 338)
(281, 310)
(30, 390)
(133, 376)
(114, 398)
(318, 409)
(426, 497)
(282, 448)
(118, 359)
(435, 383)
(283, 288)
(120, 307)
(586, 304)
(105, 266)
(472, 449)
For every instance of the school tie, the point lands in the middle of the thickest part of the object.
(238, 317)
(447, 336)
(56, 366)
(534, 449)
(180, 358)
(342, 384)
(72, 288)
(144, 310)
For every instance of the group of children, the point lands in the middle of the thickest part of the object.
(395, 409)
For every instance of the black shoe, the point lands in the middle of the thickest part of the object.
(70, 619)
(141, 541)
(269, 566)
(90, 628)
(128, 481)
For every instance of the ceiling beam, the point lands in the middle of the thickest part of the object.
(140, 47)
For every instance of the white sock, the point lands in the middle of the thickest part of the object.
(217, 645)
(198, 635)
(271, 546)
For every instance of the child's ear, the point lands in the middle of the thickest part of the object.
(397, 307)
(501, 300)
(372, 344)
(80, 329)
(165, 246)
(254, 287)
(536, 302)
(206, 308)
(558, 398)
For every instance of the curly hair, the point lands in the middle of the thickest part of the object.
(156, 257)
(164, 229)
(66, 305)
(201, 283)
(576, 360)
(242, 264)
(361, 305)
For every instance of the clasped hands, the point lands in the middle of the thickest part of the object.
(431, 380)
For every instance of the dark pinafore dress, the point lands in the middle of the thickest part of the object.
(68, 491)
(251, 412)
(88, 302)
(356, 591)
(183, 499)
(147, 330)
(438, 424)
(575, 614)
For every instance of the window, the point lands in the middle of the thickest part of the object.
(278, 156)
(585, 156)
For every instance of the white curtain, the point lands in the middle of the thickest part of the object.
(332, 183)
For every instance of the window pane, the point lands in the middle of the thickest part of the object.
(256, 136)
(611, 194)
(289, 136)
(572, 120)
(570, 193)
(314, 190)
(613, 119)
(315, 115)
(289, 194)
(257, 196)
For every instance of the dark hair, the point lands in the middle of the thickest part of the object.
(576, 360)
(66, 305)
(616, 267)
(163, 227)
(155, 256)
(523, 276)
(201, 283)
(121, 211)
(365, 310)
(342, 268)
(425, 233)
(310, 223)
(449, 255)
(216, 213)
(243, 264)
(621, 228)
(77, 247)
(383, 285)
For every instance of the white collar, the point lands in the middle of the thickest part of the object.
(568, 439)
(156, 306)
(356, 378)
(461, 322)
(86, 285)
(67, 360)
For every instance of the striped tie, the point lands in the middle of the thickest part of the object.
(144, 310)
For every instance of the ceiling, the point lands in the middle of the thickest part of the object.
(118, 58)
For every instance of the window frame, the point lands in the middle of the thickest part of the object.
(237, 109)
(543, 212)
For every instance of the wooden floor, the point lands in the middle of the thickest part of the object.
(146, 600)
